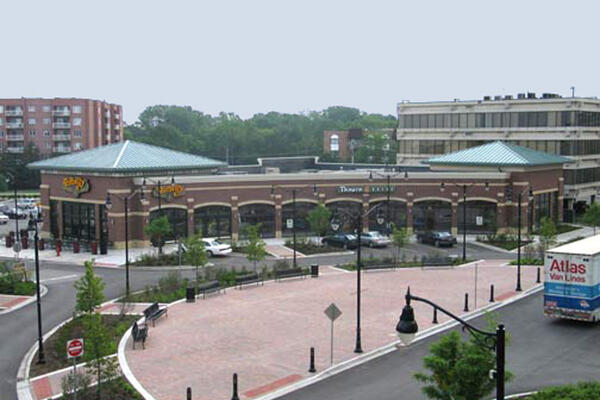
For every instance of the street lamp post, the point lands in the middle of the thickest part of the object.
(530, 198)
(126, 204)
(407, 328)
(13, 178)
(388, 178)
(33, 227)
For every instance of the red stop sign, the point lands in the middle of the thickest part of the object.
(74, 348)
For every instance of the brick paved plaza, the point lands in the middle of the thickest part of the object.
(264, 333)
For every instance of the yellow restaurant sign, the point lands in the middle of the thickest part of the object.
(168, 192)
(76, 185)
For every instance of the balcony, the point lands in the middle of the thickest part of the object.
(61, 149)
(14, 113)
(13, 138)
(14, 125)
(15, 149)
(61, 125)
(61, 112)
(61, 138)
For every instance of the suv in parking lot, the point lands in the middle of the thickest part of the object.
(436, 238)
(344, 240)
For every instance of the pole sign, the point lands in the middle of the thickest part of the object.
(75, 348)
(333, 313)
(289, 223)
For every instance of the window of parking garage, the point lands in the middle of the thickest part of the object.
(302, 211)
(213, 221)
(341, 210)
(432, 215)
(177, 219)
(79, 221)
(481, 216)
(397, 215)
(54, 218)
(254, 214)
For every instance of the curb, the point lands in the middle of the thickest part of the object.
(343, 366)
(32, 299)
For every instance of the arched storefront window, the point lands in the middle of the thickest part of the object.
(253, 214)
(432, 215)
(397, 215)
(481, 216)
(341, 210)
(213, 221)
(302, 211)
(177, 218)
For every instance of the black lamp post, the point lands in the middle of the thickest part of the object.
(530, 198)
(464, 221)
(13, 178)
(126, 204)
(407, 328)
(33, 227)
(388, 178)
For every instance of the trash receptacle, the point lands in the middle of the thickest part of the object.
(8, 241)
(314, 270)
(94, 247)
(190, 295)
(24, 242)
(41, 244)
(76, 247)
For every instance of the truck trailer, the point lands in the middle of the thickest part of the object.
(572, 280)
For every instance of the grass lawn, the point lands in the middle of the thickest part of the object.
(310, 248)
(506, 245)
(54, 347)
(528, 261)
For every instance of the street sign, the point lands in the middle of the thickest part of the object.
(289, 223)
(332, 312)
(479, 220)
(75, 348)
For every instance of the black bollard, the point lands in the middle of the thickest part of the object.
(491, 293)
(312, 368)
(435, 321)
(538, 280)
(189, 393)
(466, 302)
(235, 389)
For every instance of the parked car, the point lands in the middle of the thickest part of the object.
(436, 238)
(344, 240)
(374, 239)
(14, 213)
(3, 219)
(214, 247)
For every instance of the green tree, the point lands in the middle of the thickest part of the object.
(592, 215)
(256, 246)
(458, 370)
(196, 255)
(399, 238)
(374, 148)
(157, 230)
(97, 345)
(318, 219)
(547, 233)
(90, 290)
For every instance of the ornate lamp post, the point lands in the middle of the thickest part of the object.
(530, 199)
(33, 226)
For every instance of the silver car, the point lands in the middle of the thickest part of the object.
(374, 239)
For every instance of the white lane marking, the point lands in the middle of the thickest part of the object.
(60, 278)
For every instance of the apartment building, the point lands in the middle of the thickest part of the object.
(564, 126)
(58, 126)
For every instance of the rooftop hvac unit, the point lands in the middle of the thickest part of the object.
(497, 97)
(546, 95)
(487, 98)
(521, 96)
(530, 95)
(508, 97)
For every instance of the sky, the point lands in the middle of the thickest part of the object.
(257, 56)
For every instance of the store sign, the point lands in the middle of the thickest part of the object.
(361, 189)
(169, 192)
(76, 185)
(382, 189)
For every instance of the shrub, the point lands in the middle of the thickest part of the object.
(577, 391)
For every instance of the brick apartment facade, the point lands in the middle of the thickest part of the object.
(58, 126)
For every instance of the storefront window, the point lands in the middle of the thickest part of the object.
(481, 216)
(302, 211)
(213, 221)
(54, 218)
(432, 215)
(177, 218)
(79, 221)
(254, 214)
(344, 211)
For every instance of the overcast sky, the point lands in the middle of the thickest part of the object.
(252, 56)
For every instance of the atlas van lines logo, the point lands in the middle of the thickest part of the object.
(566, 271)
(76, 185)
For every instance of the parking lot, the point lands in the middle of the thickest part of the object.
(11, 226)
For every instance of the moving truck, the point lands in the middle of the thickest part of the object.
(572, 280)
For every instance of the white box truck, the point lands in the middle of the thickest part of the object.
(572, 280)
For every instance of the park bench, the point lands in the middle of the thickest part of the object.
(378, 267)
(290, 273)
(241, 280)
(209, 287)
(436, 262)
(139, 334)
(154, 312)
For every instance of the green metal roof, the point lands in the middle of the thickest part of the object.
(498, 154)
(127, 156)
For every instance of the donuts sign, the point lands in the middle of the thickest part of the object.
(76, 185)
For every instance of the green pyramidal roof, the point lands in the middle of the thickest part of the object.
(498, 154)
(127, 156)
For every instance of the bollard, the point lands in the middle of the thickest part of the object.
(538, 280)
(189, 393)
(314, 270)
(235, 389)
(466, 302)
(312, 368)
(435, 321)
(491, 293)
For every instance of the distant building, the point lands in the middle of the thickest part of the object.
(553, 124)
(58, 126)
(342, 145)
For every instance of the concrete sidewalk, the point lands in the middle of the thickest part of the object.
(264, 333)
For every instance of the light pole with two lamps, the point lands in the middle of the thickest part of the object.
(125, 200)
(407, 328)
(294, 191)
(357, 218)
(464, 224)
(158, 183)
(12, 178)
(530, 198)
(388, 178)
(33, 227)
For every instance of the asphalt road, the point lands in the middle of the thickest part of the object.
(18, 329)
(542, 352)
